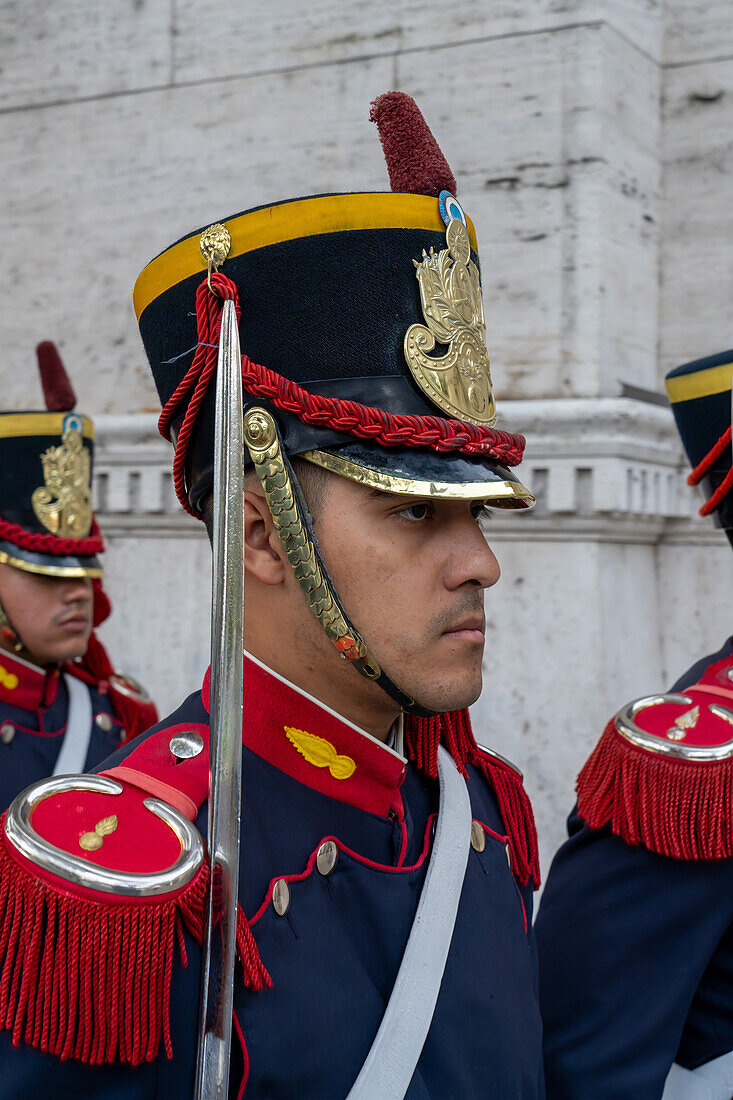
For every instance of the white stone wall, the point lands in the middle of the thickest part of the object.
(593, 144)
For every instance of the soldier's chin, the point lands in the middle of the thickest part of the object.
(446, 697)
(70, 650)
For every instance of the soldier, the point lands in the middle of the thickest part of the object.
(370, 458)
(62, 707)
(635, 930)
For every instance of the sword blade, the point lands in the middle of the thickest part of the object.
(225, 745)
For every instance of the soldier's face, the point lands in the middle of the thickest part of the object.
(52, 615)
(411, 573)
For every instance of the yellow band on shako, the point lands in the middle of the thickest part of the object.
(703, 383)
(14, 425)
(288, 222)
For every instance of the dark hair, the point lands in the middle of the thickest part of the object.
(312, 480)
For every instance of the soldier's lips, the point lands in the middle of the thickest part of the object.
(470, 629)
(75, 625)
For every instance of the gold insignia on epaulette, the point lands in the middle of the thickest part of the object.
(64, 504)
(683, 723)
(459, 382)
(93, 841)
(321, 753)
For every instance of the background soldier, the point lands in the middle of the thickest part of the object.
(635, 930)
(62, 707)
(361, 430)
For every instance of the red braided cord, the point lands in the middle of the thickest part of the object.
(717, 497)
(713, 454)
(50, 544)
(702, 468)
(366, 422)
(350, 417)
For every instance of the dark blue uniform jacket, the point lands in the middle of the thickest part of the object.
(636, 961)
(333, 957)
(34, 705)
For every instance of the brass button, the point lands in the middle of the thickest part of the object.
(729, 673)
(281, 897)
(327, 856)
(478, 836)
(509, 856)
(185, 746)
(7, 732)
(104, 722)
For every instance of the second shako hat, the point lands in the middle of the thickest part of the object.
(47, 525)
(362, 331)
(700, 395)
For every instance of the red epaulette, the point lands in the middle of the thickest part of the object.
(662, 773)
(98, 875)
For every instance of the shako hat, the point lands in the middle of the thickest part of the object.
(363, 351)
(46, 520)
(362, 331)
(700, 395)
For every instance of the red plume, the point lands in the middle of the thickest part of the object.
(414, 160)
(57, 389)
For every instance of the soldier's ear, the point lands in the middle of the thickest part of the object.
(264, 555)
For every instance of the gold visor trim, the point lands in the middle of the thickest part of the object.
(703, 383)
(49, 570)
(501, 494)
(15, 425)
(291, 221)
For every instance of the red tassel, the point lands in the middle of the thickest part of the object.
(415, 162)
(676, 808)
(57, 389)
(102, 606)
(254, 974)
(422, 737)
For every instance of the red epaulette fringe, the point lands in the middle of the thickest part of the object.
(676, 808)
(422, 737)
(90, 980)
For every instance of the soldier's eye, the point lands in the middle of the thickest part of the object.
(416, 512)
(481, 512)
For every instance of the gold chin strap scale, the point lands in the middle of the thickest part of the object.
(263, 443)
(290, 516)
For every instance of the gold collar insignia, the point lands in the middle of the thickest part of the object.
(321, 753)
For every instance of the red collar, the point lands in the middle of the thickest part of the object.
(25, 685)
(310, 742)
